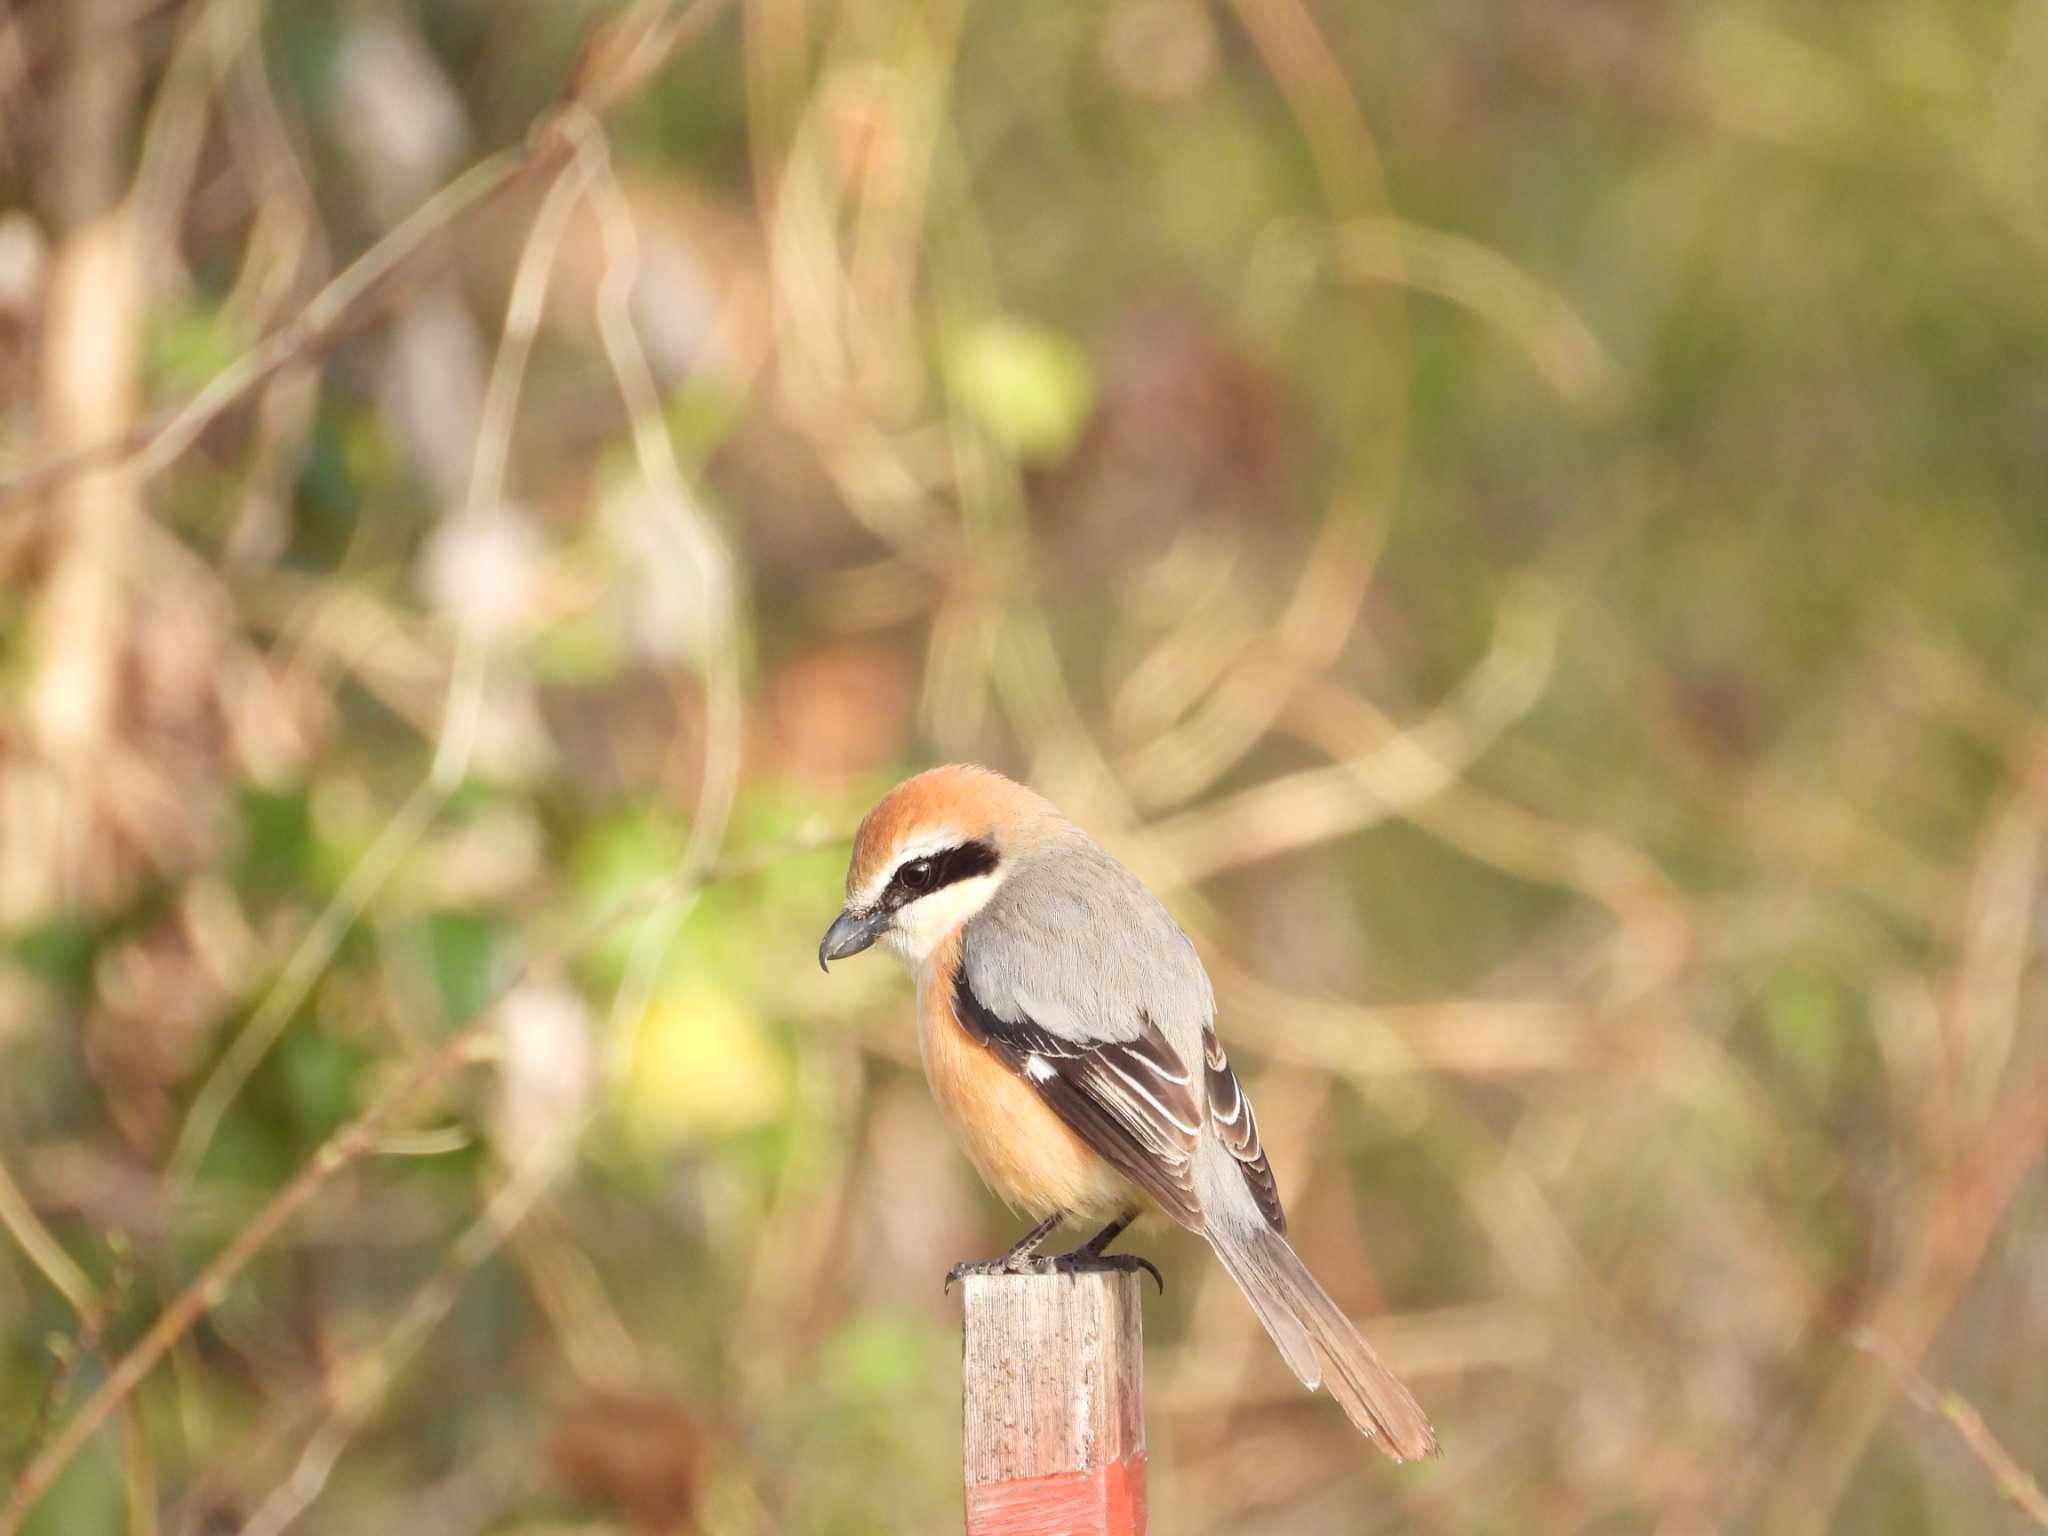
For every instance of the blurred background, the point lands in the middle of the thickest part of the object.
(1525, 522)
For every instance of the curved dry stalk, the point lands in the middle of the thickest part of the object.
(694, 542)
(88, 385)
(211, 38)
(484, 498)
(1951, 1223)
(43, 1250)
(365, 1379)
(838, 297)
(303, 340)
(370, 1377)
(1185, 759)
(358, 1138)
(1556, 338)
(1322, 101)
(1209, 624)
(1398, 774)
(197, 1298)
(456, 743)
(619, 56)
(2014, 1481)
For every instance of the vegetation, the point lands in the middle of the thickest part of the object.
(1525, 521)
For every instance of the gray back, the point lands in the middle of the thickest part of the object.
(1074, 941)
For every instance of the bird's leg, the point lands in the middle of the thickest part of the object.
(1020, 1260)
(1091, 1256)
(1099, 1243)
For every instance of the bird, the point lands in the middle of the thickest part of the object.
(1067, 1030)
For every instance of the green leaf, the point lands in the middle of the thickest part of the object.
(88, 1496)
(1032, 388)
(615, 859)
(187, 344)
(1802, 1014)
(319, 1075)
(581, 650)
(464, 947)
(277, 841)
(879, 1357)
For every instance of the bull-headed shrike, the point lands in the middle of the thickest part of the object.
(1068, 1032)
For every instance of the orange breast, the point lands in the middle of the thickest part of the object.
(1023, 1151)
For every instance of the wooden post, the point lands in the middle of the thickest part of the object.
(1054, 1420)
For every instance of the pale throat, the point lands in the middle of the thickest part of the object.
(930, 920)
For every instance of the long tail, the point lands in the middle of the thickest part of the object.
(1318, 1341)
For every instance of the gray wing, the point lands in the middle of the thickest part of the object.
(1081, 983)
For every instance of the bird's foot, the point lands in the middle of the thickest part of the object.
(1008, 1264)
(1086, 1261)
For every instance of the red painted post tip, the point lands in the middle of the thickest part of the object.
(1105, 1501)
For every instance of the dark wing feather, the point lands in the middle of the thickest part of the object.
(1230, 1111)
(1133, 1101)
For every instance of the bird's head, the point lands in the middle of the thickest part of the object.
(928, 857)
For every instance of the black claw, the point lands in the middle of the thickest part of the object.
(963, 1269)
(1008, 1264)
(1087, 1261)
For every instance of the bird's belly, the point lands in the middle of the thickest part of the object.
(1021, 1149)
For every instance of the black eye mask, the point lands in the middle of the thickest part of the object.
(921, 876)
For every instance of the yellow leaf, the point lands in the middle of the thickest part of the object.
(701, 1068)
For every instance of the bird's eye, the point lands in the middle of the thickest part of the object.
(917, 875)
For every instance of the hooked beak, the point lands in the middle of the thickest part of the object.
(850, 933)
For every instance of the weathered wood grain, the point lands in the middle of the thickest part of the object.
(1054, 1412)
